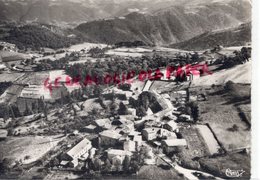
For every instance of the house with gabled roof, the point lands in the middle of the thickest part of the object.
(78, 152)
(172, 145)
(109, 138)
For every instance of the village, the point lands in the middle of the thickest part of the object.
(117, 129)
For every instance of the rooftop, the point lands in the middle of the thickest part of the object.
(175, 142)
(172, 123)
(118, 152)
(111, 134)
(3, 133)
(104, 123)
(91, 126)
(151, 130)
(81, 145)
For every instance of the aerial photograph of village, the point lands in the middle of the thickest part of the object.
(125, 89)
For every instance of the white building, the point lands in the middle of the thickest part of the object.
(150, 133)
(79, 151)
(171, 125)
(130, 146)
(120, 154)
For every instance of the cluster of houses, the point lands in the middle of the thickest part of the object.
(124, 135)
(116, 137)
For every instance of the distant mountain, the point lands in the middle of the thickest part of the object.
(63, 12)
(74, 12)
(229, 37)
(170, 25)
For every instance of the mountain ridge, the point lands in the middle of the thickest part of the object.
(168, 26)
(237, 36)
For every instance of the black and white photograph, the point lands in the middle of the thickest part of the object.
(125, 89)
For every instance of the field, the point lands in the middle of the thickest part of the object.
(35, 78)
(162, 86)
(221, 111)
(6, 77)
(11, 94)
(238, 74)
(219, 165)
(210, 140)
(158, 173)
(55, 175)
(86, 46)
(12, 56)
(87, 59)
(196, 147)
(27, 149)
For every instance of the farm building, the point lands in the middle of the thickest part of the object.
(90, 128)
(109, 137)
(103, 124)
(118, 154)
(165, 134)
(150, 133)
(80, 151)
(130, 146)
(171, 145)
(171, 125)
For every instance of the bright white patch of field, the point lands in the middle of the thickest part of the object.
(13, 56)
(238, 74)
(85, 46)
(51, 57)
(131, 52)
(57, 74)
(164, 49)
(86, 59)
(62, 78)
(210, 140)
(127, 54)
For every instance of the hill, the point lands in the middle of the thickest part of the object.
(38, 35)
(169, 25)
(229, 37)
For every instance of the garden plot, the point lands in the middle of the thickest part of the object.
(210, 140)
(27, 149)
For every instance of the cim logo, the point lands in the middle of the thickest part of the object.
(234, 173)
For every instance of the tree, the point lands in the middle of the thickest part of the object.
(141, 111)
(97, 164)
(5, 165)
(246, 54)
(54, 162)
(94, 111)
(26, 157)
(125, 87)
(97, 91)
(108, 166)
(132, 102)
(134, 165)
(117, 164)
(126, 163)
(193, 109)
(234, 128)
(122, 109)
